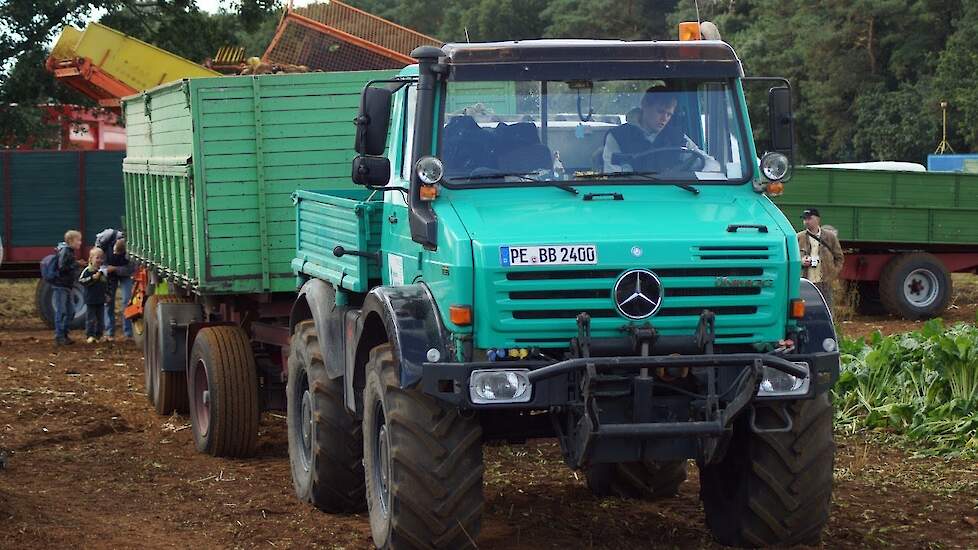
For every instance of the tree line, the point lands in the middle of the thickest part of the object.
(868, 75)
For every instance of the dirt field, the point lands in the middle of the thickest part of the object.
(90, 465)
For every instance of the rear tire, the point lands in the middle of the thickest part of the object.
(169, 387)
(915, 286)
(223, 388)
(647, 480)
(44, 304)
(423, 464)
(773, 489)
(325, 441)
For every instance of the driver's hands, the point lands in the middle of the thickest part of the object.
(806, 261)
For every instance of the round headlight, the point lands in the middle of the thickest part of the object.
(775, 166)
(430, 170)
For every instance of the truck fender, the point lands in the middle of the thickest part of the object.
(408, 318)
(317, 301)
(817, 322)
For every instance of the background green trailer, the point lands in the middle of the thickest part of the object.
(211, 168)
(904, 232)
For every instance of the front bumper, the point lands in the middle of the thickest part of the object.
(551, 381)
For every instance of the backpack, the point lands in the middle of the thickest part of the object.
(49, 268)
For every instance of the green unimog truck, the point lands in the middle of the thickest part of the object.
(498, 272)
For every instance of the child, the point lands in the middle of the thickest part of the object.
(94, 279)
(67, 266)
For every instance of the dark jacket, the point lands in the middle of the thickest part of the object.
(633, 140)
(67, 267)
(95, 287)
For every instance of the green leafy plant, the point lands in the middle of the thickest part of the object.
(920, 385)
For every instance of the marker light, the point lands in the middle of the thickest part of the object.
(430, 170)
(460, 315)
(774, 189)
(689, 30)
(428, 192)
(797, 309)
(775, 166)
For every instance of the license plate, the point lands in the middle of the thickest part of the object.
(562, 254)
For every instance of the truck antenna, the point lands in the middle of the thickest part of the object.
(697, 4)
(467, 35)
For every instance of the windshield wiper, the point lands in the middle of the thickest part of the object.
(650, 176)
(525, 176)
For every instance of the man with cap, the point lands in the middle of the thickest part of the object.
(821, 253)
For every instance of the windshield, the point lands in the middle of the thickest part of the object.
(593, 131)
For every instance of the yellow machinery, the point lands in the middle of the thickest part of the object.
(107, 65)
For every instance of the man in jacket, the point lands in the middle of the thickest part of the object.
(120, 269)
(821, 254)
(68, 265)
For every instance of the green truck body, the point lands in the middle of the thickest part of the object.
(211, 166)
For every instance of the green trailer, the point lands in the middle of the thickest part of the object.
(904, 232)
(210, 170)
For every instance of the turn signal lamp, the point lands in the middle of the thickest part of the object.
(797, 309)
(774, 189)
(689, 30)
(428, 192)
(460, 315)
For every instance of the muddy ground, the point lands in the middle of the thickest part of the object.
(90, 465)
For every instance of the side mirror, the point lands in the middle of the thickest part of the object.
(371, 171)
(782, 121)
(373, 120)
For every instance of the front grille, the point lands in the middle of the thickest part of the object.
(538, 307)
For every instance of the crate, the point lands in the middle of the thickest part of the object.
(212, 165)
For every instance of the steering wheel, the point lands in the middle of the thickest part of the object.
(657, 157)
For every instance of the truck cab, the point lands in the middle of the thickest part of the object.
(570, 239)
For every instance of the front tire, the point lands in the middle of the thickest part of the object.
(325, 441)
(223, 387)
(423, 464)
(44, 304)
(646, 480)
(773, 489)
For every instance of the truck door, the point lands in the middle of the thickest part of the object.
(399, 253)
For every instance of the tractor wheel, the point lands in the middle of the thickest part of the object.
(773, 488)
(915, 286)
(223, 387)
(325, 441)
(169, 387)
(423, 464)
(645, 480)
(44, 304)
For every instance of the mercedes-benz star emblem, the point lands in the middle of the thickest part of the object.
(638, 294)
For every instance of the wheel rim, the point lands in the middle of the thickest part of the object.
(202, 401)
(305, 427)
(381, 462)
(921, 288)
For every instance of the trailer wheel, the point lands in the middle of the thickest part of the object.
(149, 351)
(423, 464)
(773, 488)
(915, 286)
(169, 388)
(223, 388)
(647, 480)
(44, 304)
(325, 441)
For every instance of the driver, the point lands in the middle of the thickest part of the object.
(651, 131)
